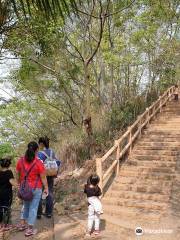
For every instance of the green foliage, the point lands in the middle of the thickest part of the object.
(6, 150)
(123, 115)
(49, 9)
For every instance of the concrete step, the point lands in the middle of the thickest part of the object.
(130, 213)
(170, 110)
(141, 179)
(171, 114)
(165, 128)
(148, 175)
(156, 139)
(152, 157)
(130, 203)
(160, 138)
(151, 164)
(171, 107)
(161, 133)
(158, 144)
(150, 152)
(166, 122)
(156, 147)
(125, 227)
(146, 169)
(142, 188)
(164, 198)
(167, 117)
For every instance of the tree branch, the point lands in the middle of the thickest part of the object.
(121, 10)
(102, 18)
(77, 50)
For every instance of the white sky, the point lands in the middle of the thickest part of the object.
(6, 66)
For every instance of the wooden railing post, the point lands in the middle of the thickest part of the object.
(139, 126)
(169, 93)
(99, 172)
(130, 140)
(147, 109)
(160, 104)
(153, 112)
(117, 156)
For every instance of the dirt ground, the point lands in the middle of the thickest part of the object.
(65, 227)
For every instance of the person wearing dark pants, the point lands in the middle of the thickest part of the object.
(44, 153)
(49, 200)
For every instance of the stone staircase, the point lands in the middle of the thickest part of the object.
(146, 193)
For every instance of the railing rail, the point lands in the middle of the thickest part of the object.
(129, 137)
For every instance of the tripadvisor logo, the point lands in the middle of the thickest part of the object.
(139, 231)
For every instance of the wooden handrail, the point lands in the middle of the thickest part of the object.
(130, 137)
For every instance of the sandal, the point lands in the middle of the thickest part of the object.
(30, 231)
(21, 227)
(8, 227)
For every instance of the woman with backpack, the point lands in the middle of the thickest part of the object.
(31, 177)
(46, 155)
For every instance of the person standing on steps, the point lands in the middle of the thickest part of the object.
(44, 154)
(93, 192)
(31, 171)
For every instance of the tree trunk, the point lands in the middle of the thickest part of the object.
(112, 84)
(87, 110)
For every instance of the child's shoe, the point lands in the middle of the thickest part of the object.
(96, 233)
(88, 234)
